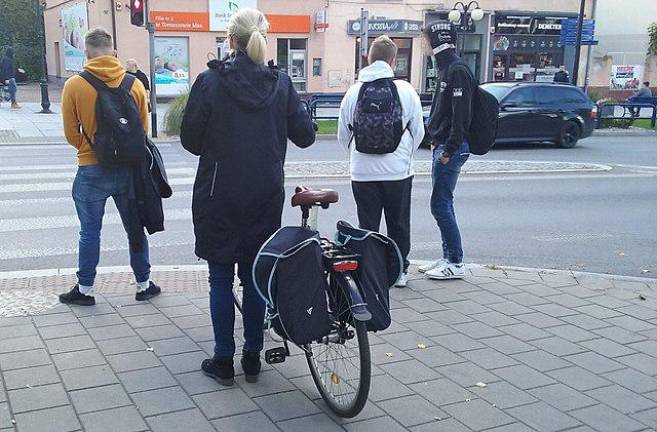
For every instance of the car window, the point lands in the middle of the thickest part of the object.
(558, 95)
(521, 97)
(499, 91)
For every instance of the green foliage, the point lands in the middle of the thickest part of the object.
(174, 115)
(616, 123)
(327, 127)
(652, 41)
(19, 28)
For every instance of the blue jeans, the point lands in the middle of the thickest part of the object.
(12, 88)
(92, 186)
(442, 200)
(222, 309)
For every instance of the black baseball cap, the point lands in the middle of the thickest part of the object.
(442, 35)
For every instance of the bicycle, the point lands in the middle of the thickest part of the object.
(339, 362)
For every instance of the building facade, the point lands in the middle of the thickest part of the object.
(316, 41)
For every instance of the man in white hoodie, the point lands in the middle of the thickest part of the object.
(381, 125)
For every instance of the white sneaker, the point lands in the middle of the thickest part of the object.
(402, 281)
(447, 271)
(432, 265)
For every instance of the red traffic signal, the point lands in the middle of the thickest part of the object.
(137, 12)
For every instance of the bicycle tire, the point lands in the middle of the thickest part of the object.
(238, 290)
(356, 405)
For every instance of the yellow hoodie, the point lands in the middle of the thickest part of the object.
(79, 104)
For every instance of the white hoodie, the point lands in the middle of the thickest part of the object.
(390, 166)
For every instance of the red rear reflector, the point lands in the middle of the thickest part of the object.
(345, 265)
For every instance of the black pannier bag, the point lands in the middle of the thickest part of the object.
(289, 275)
(379, 266)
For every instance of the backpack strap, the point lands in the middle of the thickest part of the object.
(128, 81)
(95, 82)
(395, 94)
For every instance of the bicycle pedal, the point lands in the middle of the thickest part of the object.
(275, 355)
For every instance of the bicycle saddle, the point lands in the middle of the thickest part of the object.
(306, 197)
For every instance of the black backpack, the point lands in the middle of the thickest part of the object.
(484, 118)
(120, 138)
(378, 127)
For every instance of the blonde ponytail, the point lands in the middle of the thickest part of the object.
(249, 30)
(256, 49)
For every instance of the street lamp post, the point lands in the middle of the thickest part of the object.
(45, 100)
(578, 44)
(462, 14)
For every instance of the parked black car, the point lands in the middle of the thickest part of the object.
(540, 112)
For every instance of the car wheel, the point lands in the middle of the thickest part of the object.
(570, 133)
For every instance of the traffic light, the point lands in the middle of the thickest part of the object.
(137, 12)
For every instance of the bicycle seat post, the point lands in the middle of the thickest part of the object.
(312, 220)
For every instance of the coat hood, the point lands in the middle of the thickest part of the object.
(377, 70)
(252, 86)
(9, 52)
(107, 69)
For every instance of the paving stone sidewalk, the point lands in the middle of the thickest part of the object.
(503, 351)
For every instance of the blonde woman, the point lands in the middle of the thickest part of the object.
(238, 119)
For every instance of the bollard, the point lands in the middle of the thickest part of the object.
(45, 100)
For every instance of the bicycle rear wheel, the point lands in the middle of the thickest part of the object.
(340, 362)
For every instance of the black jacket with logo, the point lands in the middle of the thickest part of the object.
(451, 110)
(238, 120)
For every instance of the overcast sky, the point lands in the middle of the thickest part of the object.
(624, 16)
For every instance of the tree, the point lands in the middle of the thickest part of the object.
(19, 29)
(652, 41)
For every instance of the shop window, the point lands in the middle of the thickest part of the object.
(291, 59)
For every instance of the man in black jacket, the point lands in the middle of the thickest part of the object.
(448, 126)
(562, 76)
(8, 75)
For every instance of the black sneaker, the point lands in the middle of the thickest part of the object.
(75, 297)
(150, 292)
(251, 366)
(221, 369)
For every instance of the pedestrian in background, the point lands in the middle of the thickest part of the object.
(8, 75)
(382, 182)
(643, 92)
(238, 119)
(93, 183)
(451, 115)
(562, 75)
(132, 68)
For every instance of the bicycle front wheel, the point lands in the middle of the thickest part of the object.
(340, 362)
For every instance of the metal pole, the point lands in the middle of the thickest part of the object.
(362, 48)
(45, 100)
(113, 9)
(588, 52)
(151, 49)
(578, 44)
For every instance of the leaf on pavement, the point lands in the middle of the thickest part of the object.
(388, 354)
(421, 346)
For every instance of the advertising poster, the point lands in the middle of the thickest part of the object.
(222, 10)
(171, 65)
(74, 26)
(625, 77)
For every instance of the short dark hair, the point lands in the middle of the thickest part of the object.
(646, 83)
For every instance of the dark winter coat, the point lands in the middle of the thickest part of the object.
(238, 119)
(451, 109)
(562, 77)
(7, 67)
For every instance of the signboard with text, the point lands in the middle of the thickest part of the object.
(625, 77)
(389, 27)
(221, 11)
(171, 65)
(528, 25)
(180, 21)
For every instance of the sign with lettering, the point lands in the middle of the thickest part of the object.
(389, 27)
(529, 24)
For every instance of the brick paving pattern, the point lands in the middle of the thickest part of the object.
(502, 351)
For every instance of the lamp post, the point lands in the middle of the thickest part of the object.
(45, 100)
(463, 14)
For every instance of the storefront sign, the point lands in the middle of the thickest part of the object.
(625, 77)
(289, 23)
(389, 27)
(171, 65)
(221, 11)
(528, 24)
(180, 21)
(527, 43)
(321, 21)
(74, 26)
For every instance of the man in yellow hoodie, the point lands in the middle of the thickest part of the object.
(93, 183)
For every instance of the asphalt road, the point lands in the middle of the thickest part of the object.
(599, 222)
